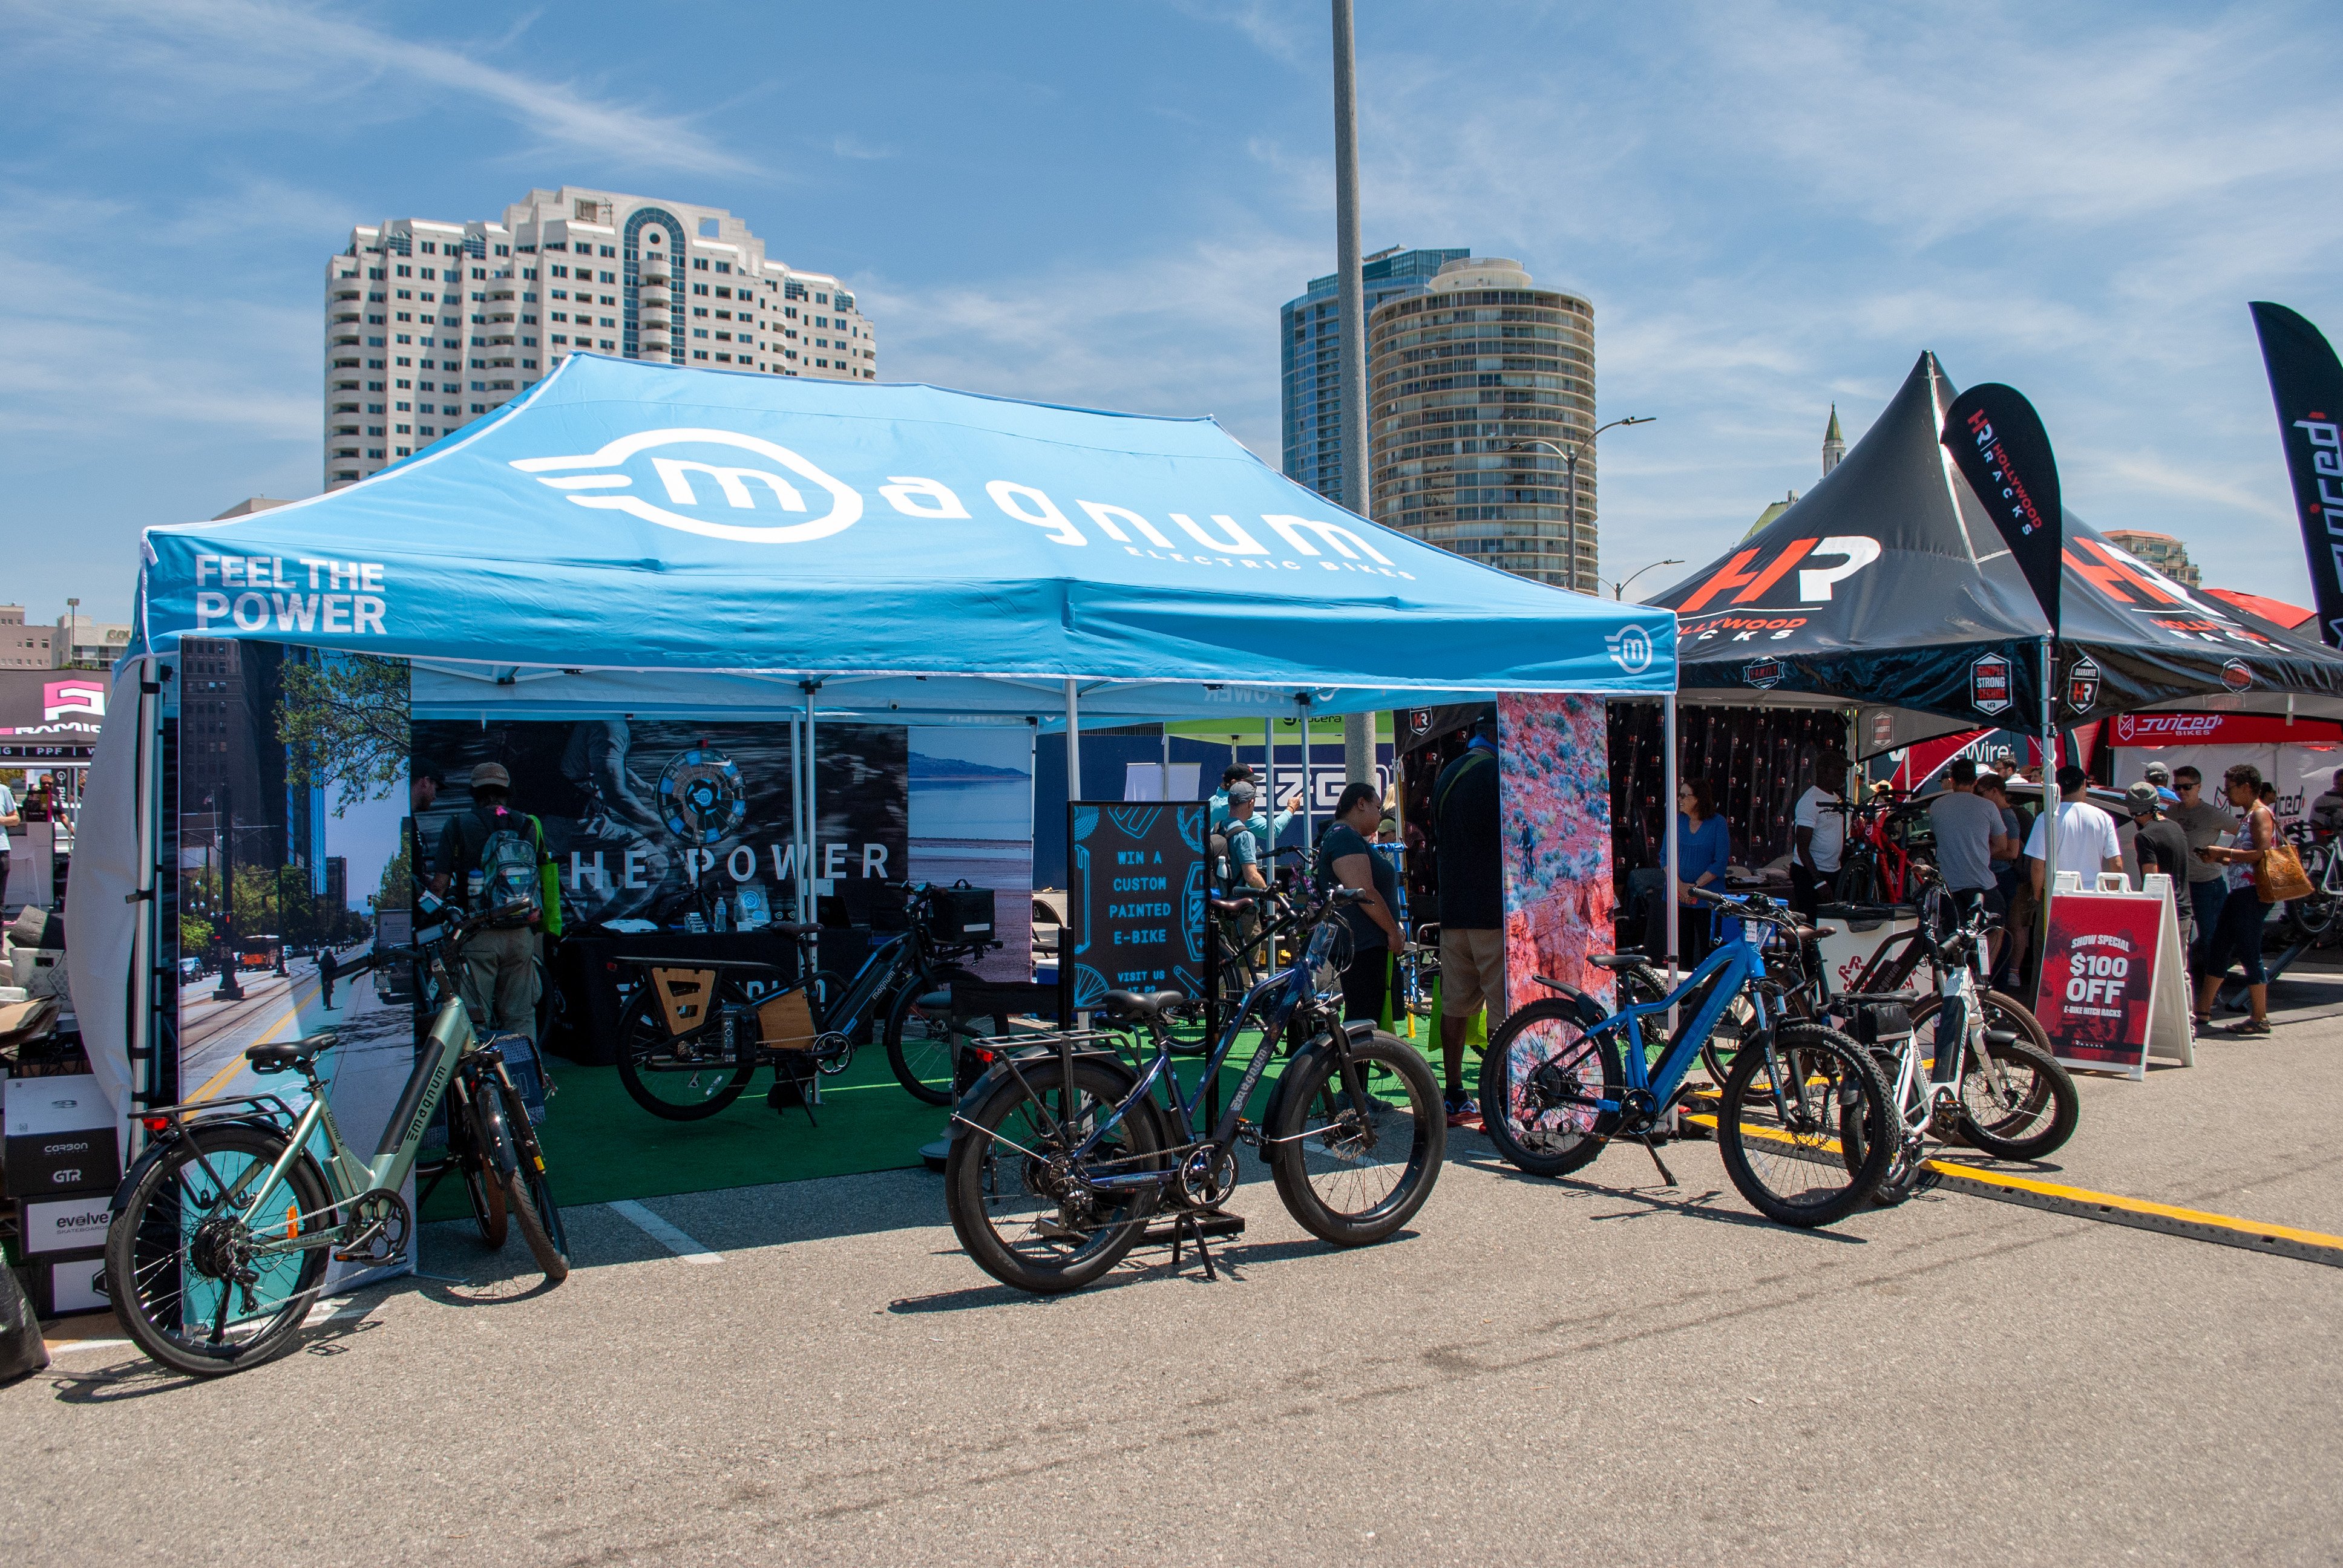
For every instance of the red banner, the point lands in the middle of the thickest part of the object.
(2153, 729)
(2098, 980)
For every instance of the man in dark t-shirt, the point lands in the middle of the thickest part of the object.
(1471, 905)
(2162, 845)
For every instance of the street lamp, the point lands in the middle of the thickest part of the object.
(72, 630)
(1619, 589)
(1569, 462)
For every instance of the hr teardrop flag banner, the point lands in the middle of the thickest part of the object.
(1998, 443)
(2306, 385)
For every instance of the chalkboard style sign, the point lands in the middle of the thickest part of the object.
(1136, 899)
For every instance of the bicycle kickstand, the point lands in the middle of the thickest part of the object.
(1667, 1177)
(1184, 1228)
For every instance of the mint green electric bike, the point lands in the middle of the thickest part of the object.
(222, 1228)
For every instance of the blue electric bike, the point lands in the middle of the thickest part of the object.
(1802, 1115)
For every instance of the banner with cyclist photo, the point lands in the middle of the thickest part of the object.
(1554, 821)
(2101, 973)
(663, 820)
(291, 861)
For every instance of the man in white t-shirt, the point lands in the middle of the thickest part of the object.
(1818, 833)
(2086, 835)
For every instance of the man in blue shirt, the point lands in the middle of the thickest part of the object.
(1247, 832)
(1242, 772)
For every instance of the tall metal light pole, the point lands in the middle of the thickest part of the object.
(72, 630)
(1619, 589)
(1570, 463)
(1350, 369)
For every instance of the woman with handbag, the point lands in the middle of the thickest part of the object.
(2262, 870)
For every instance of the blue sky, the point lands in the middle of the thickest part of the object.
(1771, 205)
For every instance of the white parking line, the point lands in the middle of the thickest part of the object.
(675, 1240)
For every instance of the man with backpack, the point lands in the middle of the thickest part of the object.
(492, 858)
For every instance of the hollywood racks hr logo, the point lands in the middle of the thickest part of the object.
(741, 488)
(1630, 649)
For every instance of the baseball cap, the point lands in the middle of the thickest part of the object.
(2144, 797)
(491, 776)
(2157, 773)
(1240, 792)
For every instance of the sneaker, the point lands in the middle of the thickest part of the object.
(2249, 1026)
(1462, 1111)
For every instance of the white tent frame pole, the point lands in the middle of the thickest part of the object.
(2049, 787)
(1309, 807)
(1073, 740)
(1668, 826)
(140, 1044)
(812, 816)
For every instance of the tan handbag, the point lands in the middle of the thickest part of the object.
(2278, 877)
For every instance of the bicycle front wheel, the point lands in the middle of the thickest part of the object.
(682, 1077)
(1805, 1129)
(1027, 1208)
(919, 1034)
(2027, 1107)
(197, 1288)
(1353, 1160)
(1542, 1079)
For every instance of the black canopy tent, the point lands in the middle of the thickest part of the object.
(1887, 589)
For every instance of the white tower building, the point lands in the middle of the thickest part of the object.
(431, 325)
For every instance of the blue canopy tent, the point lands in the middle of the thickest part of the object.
(634, 538)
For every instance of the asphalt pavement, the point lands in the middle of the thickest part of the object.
(1598, 1369)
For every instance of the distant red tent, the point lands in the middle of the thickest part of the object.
(2288, 616)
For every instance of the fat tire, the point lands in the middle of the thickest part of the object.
(2032, 1048)
(122, 1251)
(966, 1167)
(1496, 1119)
(1314, 1072)
(1871, 1159)
(638, 1016)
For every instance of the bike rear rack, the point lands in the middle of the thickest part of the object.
(200, 1112)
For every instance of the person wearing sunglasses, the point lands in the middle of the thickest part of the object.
(2208, 889)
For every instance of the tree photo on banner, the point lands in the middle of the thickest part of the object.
(292, 790)
(654, 821)
(1554, 823)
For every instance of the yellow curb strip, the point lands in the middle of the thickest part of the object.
(2109, 1208)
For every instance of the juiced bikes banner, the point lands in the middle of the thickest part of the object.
(1998, 444)
(2306, 385)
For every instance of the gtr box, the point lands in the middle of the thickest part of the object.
(43, 1164)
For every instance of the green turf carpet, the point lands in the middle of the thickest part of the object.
(600, 1145)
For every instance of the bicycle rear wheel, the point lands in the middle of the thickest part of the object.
(682, 1077)
(194, 1287)
(1027, 1211)
(1541, 1078)
(1805, 1129)
(1353, 1166)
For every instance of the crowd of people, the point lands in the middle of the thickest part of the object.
(2210, 843)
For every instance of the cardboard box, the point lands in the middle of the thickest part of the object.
(67, 1104)
(60, 1225)
(63, 1284)
(44, 1165)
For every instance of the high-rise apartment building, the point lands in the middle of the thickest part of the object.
(2162, 551)
(431, 325)
(1311, 334)
(24, 645)
(1481, 390)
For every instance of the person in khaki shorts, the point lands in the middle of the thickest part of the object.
(1472, 907)
(500, 979)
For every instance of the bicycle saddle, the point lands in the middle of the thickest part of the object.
(1227, 906)
(288, 1054)
(1815, 933)
(1141, 1006)
(791, 929)
(1626, 960)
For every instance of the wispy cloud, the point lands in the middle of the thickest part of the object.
(274, 50)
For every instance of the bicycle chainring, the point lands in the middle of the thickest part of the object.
(382, 1217)
(1207, 1176)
